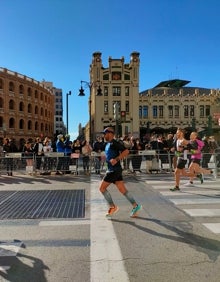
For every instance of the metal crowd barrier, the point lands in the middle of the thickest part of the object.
(145, 161)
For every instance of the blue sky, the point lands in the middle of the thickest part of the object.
(54, 40)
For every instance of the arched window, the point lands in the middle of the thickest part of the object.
(36, 94)
(42, 127)
(29, 125)
(42, 112)
(11, 105)
(36, 126)
(11, 86)
(21, 107)
(1, 84)
(1, 103)
(21, 89)
(11, 123)
(29, 108)
(21, 124)
(29, 91)
(45, 112)
(36, 110)
(41, 96)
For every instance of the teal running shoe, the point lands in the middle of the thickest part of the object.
(135, 211)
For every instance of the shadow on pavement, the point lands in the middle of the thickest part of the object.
(208, 246)
(17, 179)
(20, 272)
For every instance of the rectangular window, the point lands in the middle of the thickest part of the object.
(145, 111)
(207, 110)
(201, 111)
(192, 111)
(154, 111)
(105, 106)
(116, 91)
(176, 111)
(160, 111)
(127, 91)
(186, 111)
(170, 111)
(105, 91)
(127, 106)
(119, 106)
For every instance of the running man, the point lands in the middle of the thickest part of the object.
(181, 154)
(115, 152)
(195, 148)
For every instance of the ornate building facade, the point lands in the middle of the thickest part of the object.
(26, 107)
(162, 109)
(120, 84)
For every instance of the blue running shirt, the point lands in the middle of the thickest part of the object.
(112, 150)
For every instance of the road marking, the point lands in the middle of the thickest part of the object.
(167, 185)
(190, 192)
(203, 212)
(195, 201)
(105, 254)
(63, 222)
(214, 227)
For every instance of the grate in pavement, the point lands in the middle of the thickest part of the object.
(42, 204)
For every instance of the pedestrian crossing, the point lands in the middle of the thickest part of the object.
(198, 200)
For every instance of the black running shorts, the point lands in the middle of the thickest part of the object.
(113, 176)
(181, 163)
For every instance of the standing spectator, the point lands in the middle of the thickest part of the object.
(162, 153)
(38, 150)
(13, 146)
(60, 148)
(154, 143)
(8, 160)
(48, 161)
(148, 157)
(128, 145)
(77, 150)
(169, 145)
(86, 152)
(213, 144)
(98, 147)
(136, 159)
(28, 153)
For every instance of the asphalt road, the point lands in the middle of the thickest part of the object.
(176, 236)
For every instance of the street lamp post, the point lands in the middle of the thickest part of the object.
(67, 112)
(81, 93)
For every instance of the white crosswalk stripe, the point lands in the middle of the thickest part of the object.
(199, 200)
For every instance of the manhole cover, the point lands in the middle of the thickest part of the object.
(42, 204)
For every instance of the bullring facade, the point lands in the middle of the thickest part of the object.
(26, 107)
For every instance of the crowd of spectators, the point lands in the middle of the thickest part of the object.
(36, 153)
